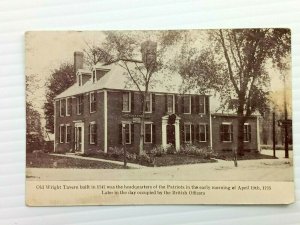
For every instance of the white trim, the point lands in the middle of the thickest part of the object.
(81, 125)
(247, 124)
(60, 133)
(66, 137)
(105, 120)
(129, 126)
(67, 114)
(90, 133)
(60, 107)
(228, 123)
(150, 94)
(205, 132)
(190, 111)
(91, 102)
(146, 123)
(129, 101)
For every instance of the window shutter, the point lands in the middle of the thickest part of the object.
(120, 133)
(176, 104)
(221, 133)
(207, 104)
(197, 135)
(96, 136)
(132, 102)
(166, 103)
(192, 133)
(207, 132)
(182, 133)
(182, 104)
(153, 102)
(89, 133)
(153, 134)
(132, 133)
(197, 104)
(231, 132)
(193, 106)
(249, 133)
(95, 97)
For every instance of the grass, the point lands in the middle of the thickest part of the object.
(44, 160)
(277, 147)
(228, 156)
(179, 159)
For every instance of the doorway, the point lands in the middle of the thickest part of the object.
(79, 137)
(171, 134)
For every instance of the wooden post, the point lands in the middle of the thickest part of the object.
(235, 156)
(124, 144)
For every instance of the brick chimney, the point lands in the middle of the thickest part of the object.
(78, 61)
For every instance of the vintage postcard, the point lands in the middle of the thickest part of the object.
(159, 117)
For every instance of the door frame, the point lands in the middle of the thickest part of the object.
(81, 125)
(164, 131)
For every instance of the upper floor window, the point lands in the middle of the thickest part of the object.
(68, 106)
(148, 100)
(247, 132)
(148, 132)
(79, 104)
(188, 133)
(62, 107)
(226, 132)
(187, 104)
(92, 102)
(93, 133)
(170, 103)
(126, 101)
(202, 104)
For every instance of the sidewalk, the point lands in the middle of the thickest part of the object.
(131, 165)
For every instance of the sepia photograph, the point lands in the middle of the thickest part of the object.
(159, 105)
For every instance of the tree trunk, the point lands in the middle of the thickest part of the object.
(240, 140)
(142, 133)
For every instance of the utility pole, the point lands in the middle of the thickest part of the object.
(286, 144)
(274, 135)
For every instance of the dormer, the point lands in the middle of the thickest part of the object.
(83, 76)
(98, 73)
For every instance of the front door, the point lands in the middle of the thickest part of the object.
(79, 138)
(171, 134)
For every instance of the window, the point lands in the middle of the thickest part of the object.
(148, 132)
(92, 102)
(202, 104)
(170, 103)
(93, 133)
(127, 132)
(202, 132)
(187, 104)
(62, 133)
(247, 132)
(79, 104)
(148, 100)
(68, 106)
(68, 133)
(188, 133)
(62, 107)
(226, 132)
(126, 102)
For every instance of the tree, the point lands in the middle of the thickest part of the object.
(140, 54)
(237, 68)
(61, 79)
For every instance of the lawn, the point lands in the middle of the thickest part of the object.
(49, 161)
(180, 159)
(228, 156)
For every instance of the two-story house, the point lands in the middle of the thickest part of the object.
(89, 115)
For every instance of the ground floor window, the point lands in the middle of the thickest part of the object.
(62, 133)
(226, 132)
(68, 133)
(247, 132)
(188, 133)
(127, 133)
(148, 132)
(93, 133)
(202, 132)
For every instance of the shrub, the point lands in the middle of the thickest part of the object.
(145, 159)
(190, 149)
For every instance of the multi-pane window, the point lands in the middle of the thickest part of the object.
(92, 102)
(187, 104)
(68, 133)
(79, 104)
(62, 107)
(68, 106)
(93, 133)
(148, 132)
(126, 101)
(62, 133)
(247, 132)
(188, 133)
(202, 104)
(226, 132)
(127, 133)
(170, 103)
(202, 132)
(148, 100)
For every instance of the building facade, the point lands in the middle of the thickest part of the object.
(92, 114)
